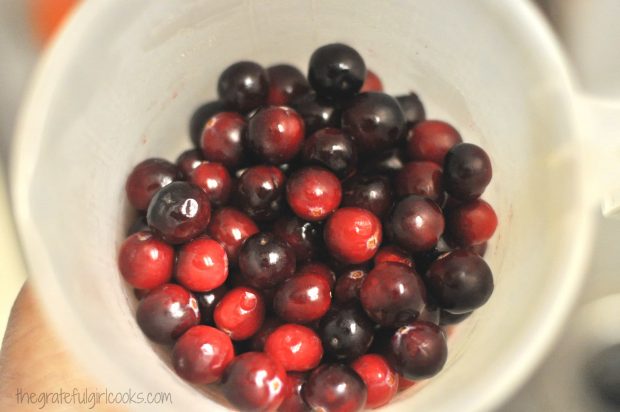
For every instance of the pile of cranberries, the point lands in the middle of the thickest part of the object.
(310, 251)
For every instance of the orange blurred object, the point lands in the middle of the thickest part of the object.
(47, 15)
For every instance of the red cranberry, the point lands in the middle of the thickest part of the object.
(318, 269)
(202, 354)
(413, 109)
(387, 163)
(166, 313)
(346, 332)
(348, 284)
(313, 193)
(380, 379)
(258, 340)
(418, 350)
(404, 383)
(393, 294)
(231, 228)
(460, 281)
(304, 237)
(293, 400)
(416, 224)
(200, 117)
(393, 253)
(222, 139)
(188, 161)
(275, 134)
(214, 180)
(138, 225)
(295, 347)
(422, 179)
(243, 86)
(286, 84)
(335, 388)
(254, 382)
(471, 223)
(147, 178)
(202, 265)
(207, 301)
(353, 235)
(266, 260)
(259, 192)
(372, 83)
(430, 140)
(303, 299)
(240, 313)
(467, 171)
(317, 113)
(368, 192)
(336, 71)
(145, 262)
(331, 148)
(446, 318)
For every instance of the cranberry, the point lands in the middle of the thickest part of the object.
(460, 281)
(336, 71)
(422, 179)
(243, 86)
(372, 83)
(480, 249)
(317, 113)
(346, 332)
(387, 163)
(380, 379)
(266, 260)
(447, 318)
(147, 178)
(207, 301)
(259, 192)
(353, 235)
(404, 383)
(231, 228)
(167, 312)
(467, 171)
(258, 340)
(430, 313)
(295, 347)
(348, 284)
(331, 148)
(222, 139)
(138, 225)
(254, 382)
(202, 265)
(335, 388)
(303, 298)
(240, 313)
(214, 180)
(286, 84)
(418, 350)
(313, 193)
(413, 109)
(368, 192)
(140, 293)
(144, 261)
(200, 117)
(275, 134)
(293, 399)
(430, 140)
(471, 223)
(304, 237)
(188, 161)
(318, 269)
(202, 354)
(415, 224)
(374, 120)
(393, 253)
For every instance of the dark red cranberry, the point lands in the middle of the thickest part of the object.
(346, 332)
(460, 281)
(144, 261)
(258, 340)
(387, 163)
(393, 294)
(202, 354)
(222, 139)
(293, 400)
(240, 313)
(253, 382)
(422, 179)
(317, 113)
(179, 212)
(138, 225)
(380, 379)
(286, 84)
(413, 109)
(303, 299)
(415, 224)
(480, 249)
(336, 71)
(467, 171)
(447, 318)
(418, 350)
(200, 118)
(313, 193)
(353, 235)
(471, 223)
(304, 237)
(331, 148)
(348, 284)
(266, 260)
(188, 161)
(373, 193)
(207, 302)
(318, 269)
(372, 83)
(295, 347)
(260, 191)
(243, 86)
(214, 180)
(167, 312)
(391, 253)
(231, 228)
(374, 120)
(202, 265)
(275, 134)
(335, 388)
(430, 140)
(147, 178)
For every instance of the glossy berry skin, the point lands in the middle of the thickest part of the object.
(207, 301)
(231, 228)
(413, 109)
(430, 140)
(348, 284)
(380, 379)
(257, 343)
(222, 139)
(460, 281)
(295, 347)
(253, 382)
(320, 269)
(415, 224)
(422, 179)
(373, 193)
(167, 312)
(346, 332)
(418, 350)
(266, 260)
(259, 192)
(372, 83)
(188, 161)
(202, 265)
(471, 223)
(313, 193)
(317, 113)
(388, 162)
(374, 120)
(303, 298)
(331, 148)
(202, 354)
(214, 180)
(243, 86)
(467, 171)
(335, 388)
(353, 235)
(179, 212)
(447, 318)
(275, 134)
(336, 71)
(293, 399)
(147, 178)
(286, 84)
(304, 237)
(391, 253)
(200, 117)
(404, 384)
(240, 313)
(144, 261)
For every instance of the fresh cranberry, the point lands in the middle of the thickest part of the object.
(167, 312)
(413, 109)
(254, 382)
(295, 347)
(275, 134)
(303, 299)
(317, 113)
(331, 148)
(200, 117)
(293, 399)
(138, 225)
(446, 318)
(373, 193)
(318, 269)
(286, 84)
(214, 180)
(231, 228)
(222, 139)
(430, 140)
(147, 178)
(346, 332)
(188, 161)
(348, 284)
(202, 354)
(202, 265)
(353, 235)
(393, 294)
(259, 192)
(240, 313)
(144, 261)
(467, 171)
(258, 340)
(404, 383)
(266, 260)
(416, 223)
(335, 388)
(304, 237)
(313, 193)
(471, 223)
(422, 179)
(372, 83)
(243, 86)
(388, 162)
(336, 71)
(418, 350)
(207, 301)
(380, 379)
(460, 281)
(391, 253)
